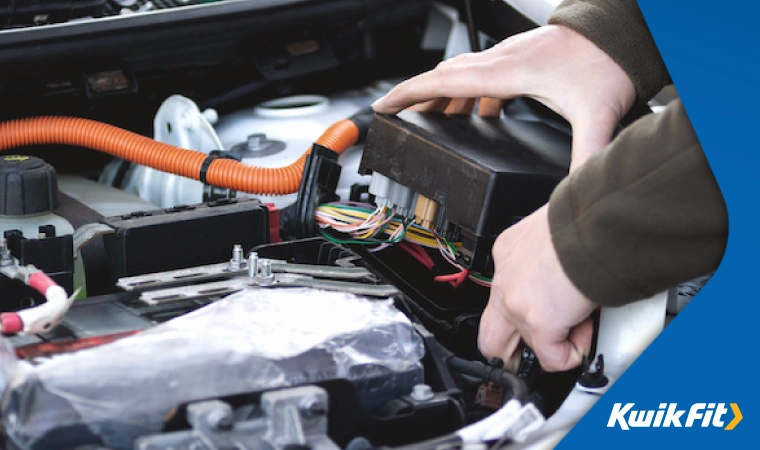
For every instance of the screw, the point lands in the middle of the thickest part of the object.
(253, 264)
(237, 257)
(422, 392)
(257, 142)
(266, 277)
(266, 268)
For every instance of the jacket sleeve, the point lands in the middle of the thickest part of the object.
(618, 28)
(642, 216)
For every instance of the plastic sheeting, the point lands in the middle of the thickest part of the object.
(251, 341)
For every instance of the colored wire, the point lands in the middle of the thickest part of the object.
(363, 221)
(380, 227)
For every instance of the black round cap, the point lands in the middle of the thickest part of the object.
(28, 185)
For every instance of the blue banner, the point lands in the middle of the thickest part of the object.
(705, 360)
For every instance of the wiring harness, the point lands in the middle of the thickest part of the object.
(380, 227)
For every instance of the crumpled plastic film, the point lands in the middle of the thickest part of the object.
(250, 341)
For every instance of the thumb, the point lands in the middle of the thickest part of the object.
(496, 336)
(568, 353)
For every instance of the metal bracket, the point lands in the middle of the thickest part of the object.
(292, 417)
(241, 273)
(227, 287)
(227, 270)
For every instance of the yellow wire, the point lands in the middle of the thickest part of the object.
(352, 217)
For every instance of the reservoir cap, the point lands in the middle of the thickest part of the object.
(28, 185)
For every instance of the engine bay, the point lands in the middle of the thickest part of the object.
(210, 241)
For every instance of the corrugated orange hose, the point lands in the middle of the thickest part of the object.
(139, 149)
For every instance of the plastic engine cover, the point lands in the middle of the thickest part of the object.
(255, 340)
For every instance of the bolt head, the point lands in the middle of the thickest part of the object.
(221, 419)
(312, 407)
(422, 392)
(256, 142)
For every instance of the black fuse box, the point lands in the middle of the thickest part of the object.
(184, 236)
(40, 12)
(484, 174)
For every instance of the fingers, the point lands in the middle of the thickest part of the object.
(463, 106)
(490, 73)
(436, 105)
(487, 107)
(447, 105)
(468, 80)
(567, 352)
(439, 83)
(490, 107)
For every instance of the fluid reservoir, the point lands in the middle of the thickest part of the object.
(28, 196)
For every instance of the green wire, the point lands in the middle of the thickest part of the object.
(369, 241)
(396, 219)
(383, 228)
(401, 236)
(350, 241)
(481, 277)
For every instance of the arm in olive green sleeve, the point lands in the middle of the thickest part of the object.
(643, 215)
(618, 28)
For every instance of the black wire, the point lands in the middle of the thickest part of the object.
(471, 30)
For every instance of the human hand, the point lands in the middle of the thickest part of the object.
(532, 298)
(552, 64)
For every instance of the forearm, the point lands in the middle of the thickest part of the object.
(618, 28)
(644, 215)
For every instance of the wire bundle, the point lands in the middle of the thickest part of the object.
(380, 227)
(370, 226)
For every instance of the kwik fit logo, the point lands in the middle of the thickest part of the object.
(668, 415)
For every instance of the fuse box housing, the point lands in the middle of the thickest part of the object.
(484, 173)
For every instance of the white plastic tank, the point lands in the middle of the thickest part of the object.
(105, 200)
(29, 225)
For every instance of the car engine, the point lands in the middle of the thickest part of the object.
(208, 240)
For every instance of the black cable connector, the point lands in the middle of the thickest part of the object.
(362, 119)
(594, 379)
(318, 183)
(514, 386)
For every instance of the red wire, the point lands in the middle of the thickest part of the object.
(454, 279)
(416, 252)
(40, 282)
(445, 278)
